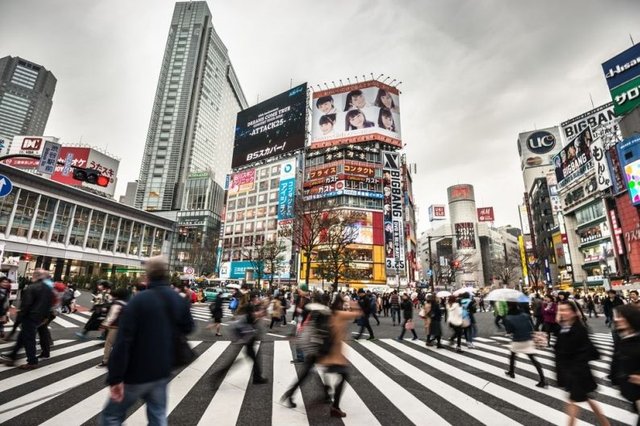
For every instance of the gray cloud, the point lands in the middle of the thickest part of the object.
(474, 74)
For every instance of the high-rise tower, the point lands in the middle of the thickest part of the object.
(26, 92)
(193, 118)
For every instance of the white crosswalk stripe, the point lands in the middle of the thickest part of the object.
(391, 382)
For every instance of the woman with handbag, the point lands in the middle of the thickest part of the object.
(573, 351)
(455, 320)
(407, 313)
(425, 314)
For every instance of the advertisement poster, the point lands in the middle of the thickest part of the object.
(603, 123)
(273, 127)
(287, 190)
(573, 160)
(356, 113)
(601, 165)
(485, 214)
(622, 73)
(393, 211)
(437, 212)
(243, 181)
(91, 159)
(465, 235)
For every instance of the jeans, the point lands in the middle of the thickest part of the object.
(154, 394)
(395, 313)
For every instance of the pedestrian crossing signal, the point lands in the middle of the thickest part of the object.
(90, 176)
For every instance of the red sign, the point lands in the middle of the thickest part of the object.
(485, 214)
(80, 159)
(33, 144)
(323, 172)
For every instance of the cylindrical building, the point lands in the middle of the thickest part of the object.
(467, 258)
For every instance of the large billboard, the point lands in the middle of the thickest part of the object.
(273, 127)
(575, 159)
(603, 123)
(465, 235)
(623, 78)
(243, 181)
(629, 155)
(26, 145)
(537, 149)
(287, 190)
(356, 113)
(86, 158)
(393, 210)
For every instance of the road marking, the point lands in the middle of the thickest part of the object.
(284, 375)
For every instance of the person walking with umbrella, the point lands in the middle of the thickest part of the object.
(573, 351)
(520, 326)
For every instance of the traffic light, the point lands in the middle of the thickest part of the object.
(90, 176)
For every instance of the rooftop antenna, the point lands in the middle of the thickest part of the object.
(633, 43)
(356, 77)
(341, 83)
(325, 85)
(290, 83)
(378, 78)
(386, 78)
(399, 83)
(363, 77)
(318, 86)
(372, 76)
(334, 84)
(591, 98)
(392, 81)
(349, 80)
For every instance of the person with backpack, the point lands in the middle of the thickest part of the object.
(365, 306)
(101, 305)
(394, 304)
(110, 323)
(407, 313)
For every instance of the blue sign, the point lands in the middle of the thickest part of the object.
(239, 268)
(622, 67)
(286, 195)
(5, 186)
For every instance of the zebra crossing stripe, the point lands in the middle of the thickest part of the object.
(516, 399)
(410, 406)
(76, 317)
(63, 322)
(474, 408)
(533, 407)
(284, 374)
(53, 354)
(181, 384)
(230, 395)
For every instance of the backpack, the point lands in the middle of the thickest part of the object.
(233, 304)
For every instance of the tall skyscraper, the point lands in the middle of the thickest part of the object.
(194, 112)
(26, 92)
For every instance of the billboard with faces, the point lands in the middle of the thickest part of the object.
(356, 113)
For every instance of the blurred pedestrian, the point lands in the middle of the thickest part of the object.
(101, 304)
(455, 320)
(143, 356)
(407, 313)
(435, 320)
(573, 351)
(216, 313)
(609, 304)
(520, 326)
(394, 305)
(110, 323)
(625, 365)
(365, 307)
(5, 293)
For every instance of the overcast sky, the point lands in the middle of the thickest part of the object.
(474, 73)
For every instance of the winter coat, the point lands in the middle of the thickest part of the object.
(573, 351)
(36, 303)
(407, 309)
(549, 313)
(519, 326)
(626, 361)
(454, 312)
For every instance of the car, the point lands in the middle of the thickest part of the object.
(226, 295)
(210, 294)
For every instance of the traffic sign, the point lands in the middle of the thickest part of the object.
(5, 186)
(49, 157)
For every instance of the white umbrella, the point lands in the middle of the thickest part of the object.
(443, 293)
(462, 290)
(506, 295)
(233, 286)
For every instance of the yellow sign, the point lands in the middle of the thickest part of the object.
(523, 259)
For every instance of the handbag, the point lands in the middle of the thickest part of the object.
(408, 325)
(182, 352)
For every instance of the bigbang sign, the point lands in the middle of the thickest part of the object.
(356, 113)
(603, 123)
(393, 210)
(273, 127)
(574, 159)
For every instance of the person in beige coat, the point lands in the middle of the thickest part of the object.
(335, 361)
(110, 323)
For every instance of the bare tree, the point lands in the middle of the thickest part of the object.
(334, 256)
(202, 252)
(266, 260)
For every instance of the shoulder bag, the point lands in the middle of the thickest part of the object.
(182, 353)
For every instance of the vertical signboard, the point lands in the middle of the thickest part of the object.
(49, 158)
(393, 210)
(485, 214)
(287, 189)
(523, 260)
(602, 167)
(465, 236)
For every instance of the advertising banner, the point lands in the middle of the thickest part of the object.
(574, 159)
(629, 155)
(615, 169)
(537, 149)
(485, 214)
(91, 159)
(622, 73)
(49, 157)
(524, 219)
(273, 127)
(27, 145)
(356, 113)
(602, 166)
(603, 123)
(243, 181)
(287, 190)
(461, 192)
(465, 235)
(393, 211)
(437, 212)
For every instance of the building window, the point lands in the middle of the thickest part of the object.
(6, 206)
(25, 209)
(135, 238)
(110, 233)
(80, 224)
(95, 230)
(44, 218)
(123, 237)
(63, 219)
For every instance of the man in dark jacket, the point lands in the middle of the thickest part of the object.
(365, 306)
(609, 304)
(142, 357)
(35, 308)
